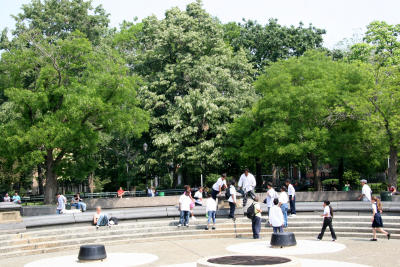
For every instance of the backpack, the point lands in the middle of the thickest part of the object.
(115, 220)
(228, 193)
(251, 213)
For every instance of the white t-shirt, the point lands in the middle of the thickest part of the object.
(327, 212)
(185, 202)
(291, 191)
(7, 199)
(283, 198)
(275, 216)
(61, 202)
(232, 191)
(374, 208)
(218, 184)
(211, 205)
(247, 182)
(366, 191)
(271, 195)
(199, 196)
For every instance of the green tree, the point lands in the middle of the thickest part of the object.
(74, 92)
(380, 104)
(302, 99)
(195, 86)
(271, 42)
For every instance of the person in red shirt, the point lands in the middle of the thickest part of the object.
(120, 192)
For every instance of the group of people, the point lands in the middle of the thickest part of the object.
(15, 198)
(76, 202)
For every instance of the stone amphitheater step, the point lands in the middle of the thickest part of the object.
(43, 240)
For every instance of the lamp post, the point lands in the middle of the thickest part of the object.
(145, 164)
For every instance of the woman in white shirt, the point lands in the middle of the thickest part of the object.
(211, 209)
(328, 215)
(283, 203)
(232, 200)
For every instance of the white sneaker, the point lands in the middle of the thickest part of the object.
(194, 218)
(292, 215)
(179, 225)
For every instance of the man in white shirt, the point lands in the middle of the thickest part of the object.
(61, 201)
(271, 195)
(283, 203)
(7, 198)
(366, 191)
(198, 196)
(184, 207)
(232, 200)
(276, 217)
(292, 198)
(247, 183)
(218, 186)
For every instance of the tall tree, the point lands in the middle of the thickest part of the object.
(195, 86)
(381, 103)
(268, 43)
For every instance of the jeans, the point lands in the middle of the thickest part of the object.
(256, 227)
(284, 208)
(246, 195)
(214, 194)
(278, 229)
(59, 211)
(184, 218)
(79, 205)
(102, 221)
(292, 200)
(232, 207)
(327, 222)
(211, 216)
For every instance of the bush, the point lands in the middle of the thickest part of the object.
(353, 178)
(211, 179)
(329, 181)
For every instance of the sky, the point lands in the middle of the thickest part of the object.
(340, 18)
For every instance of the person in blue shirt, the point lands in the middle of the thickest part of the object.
(16, 199)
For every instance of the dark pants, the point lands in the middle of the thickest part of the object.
(250, 194)
(278, 229)
(327, 222)
(256, 227)
(232, 208)
(292, 200)
(214, 194)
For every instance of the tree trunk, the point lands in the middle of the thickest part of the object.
(317, 180)
(51, 179)
(258, 172)
(91, 182)
(341, 172)
(274, 174)
(40, 179)
(392, 171)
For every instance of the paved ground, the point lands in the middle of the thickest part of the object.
(380, 254)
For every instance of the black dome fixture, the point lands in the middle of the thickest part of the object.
(280, 240)
(92, 253)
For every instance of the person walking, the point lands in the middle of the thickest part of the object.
(292, 198)
(256, 220)
(366, 191)
(377, 223)
(211, 210)
(328, 216)
(271, 195)
(283, 203)
(247, 184)
(275, 217)
(232, 200)
(218, 186)
(61, 201)
(184, 208)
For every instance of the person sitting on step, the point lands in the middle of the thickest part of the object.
(100, 219)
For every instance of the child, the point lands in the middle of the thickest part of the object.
(211, 209)
(184, 208)
(377, 223)
(328, 215)
(276, 217)
(232, 200)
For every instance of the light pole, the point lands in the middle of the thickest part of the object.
(145, 163)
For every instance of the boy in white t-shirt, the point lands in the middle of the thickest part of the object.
(218, 186)
(198, 196)
(232, 200)
(211, 210)
(271, 195)
(184, 207)
(276, 217)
